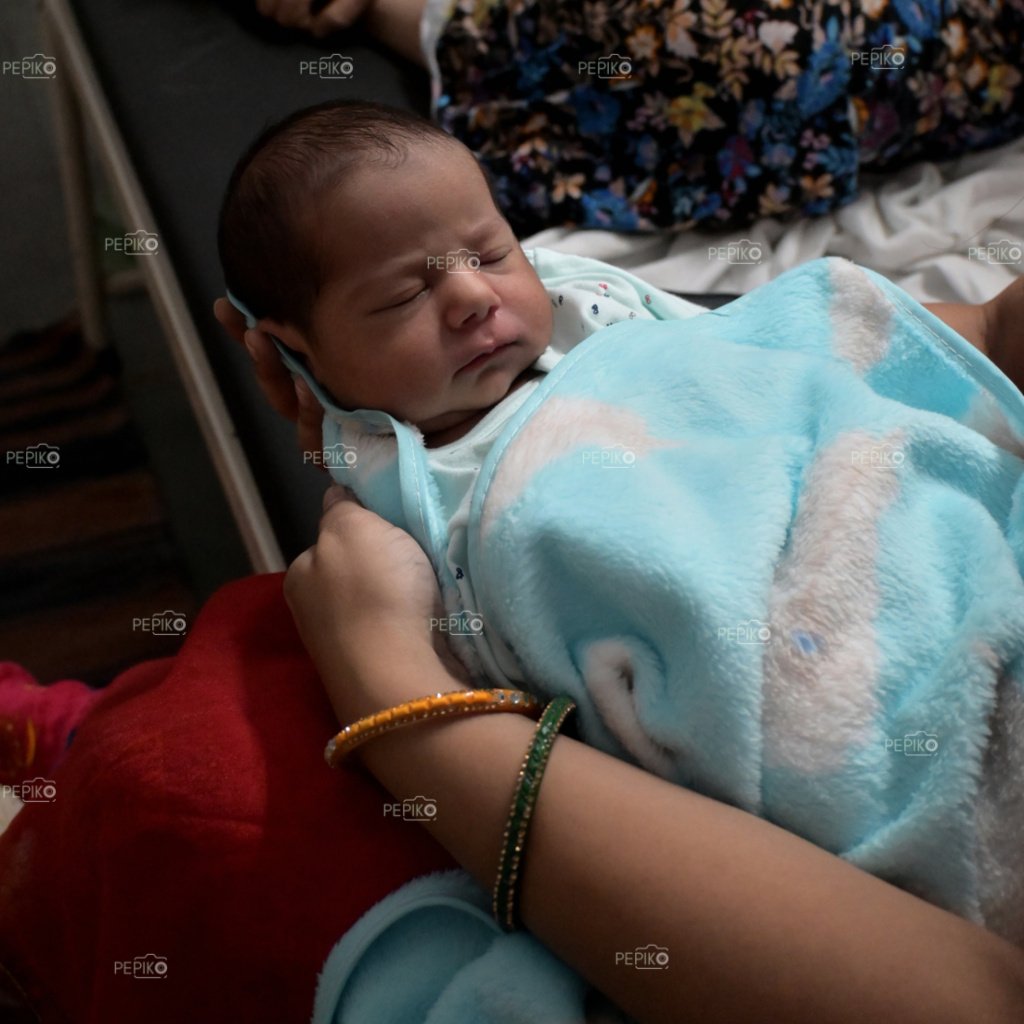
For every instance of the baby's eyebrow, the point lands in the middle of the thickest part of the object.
(419, 262)
(375, 285)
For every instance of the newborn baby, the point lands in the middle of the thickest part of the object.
(341, 233)
(801, 592)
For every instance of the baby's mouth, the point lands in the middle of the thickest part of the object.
(485, 356)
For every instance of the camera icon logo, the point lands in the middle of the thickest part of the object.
(464, 623)
(333, 66)
(141, 243)
(37, 791)
(920, 744)
(753, 631)
(888, 57)
(38, 66)
(165, 623)
(612, 67)
(744, 252)
(169, 623)
(612, 456)
(914, 744)
(413, 808)
(1004, 251)
(42, 456)
(645, 958)
(340, 456)
(419, 808)
(651, 958)
(150, 967)
(134, 243)
(457, 261)
(885, 456)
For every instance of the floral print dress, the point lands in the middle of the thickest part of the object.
(636, 115)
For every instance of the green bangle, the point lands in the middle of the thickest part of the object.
(506, 885)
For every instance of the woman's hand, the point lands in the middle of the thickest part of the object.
(364, 597)
(291, 398)
(336, 15)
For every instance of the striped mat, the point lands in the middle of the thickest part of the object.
(88, 566)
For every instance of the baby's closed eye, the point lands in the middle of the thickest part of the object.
(397, 303)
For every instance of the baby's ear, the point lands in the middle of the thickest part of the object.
(287, 334)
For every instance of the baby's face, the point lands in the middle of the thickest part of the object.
(402, 325)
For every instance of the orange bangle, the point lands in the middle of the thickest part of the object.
(457, 702)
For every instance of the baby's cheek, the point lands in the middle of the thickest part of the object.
(425, 388)
(541, 317)
(546, 322)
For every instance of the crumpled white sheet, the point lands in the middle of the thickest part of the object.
(921, 227)
(9, 807)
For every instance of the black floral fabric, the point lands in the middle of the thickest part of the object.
(636, 115)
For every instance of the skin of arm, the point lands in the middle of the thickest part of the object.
(995, 327)
(971, 322)
(760, 925)
(396, 23)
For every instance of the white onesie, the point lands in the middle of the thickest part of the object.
(585, 295)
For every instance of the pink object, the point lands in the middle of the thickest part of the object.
(36, 722)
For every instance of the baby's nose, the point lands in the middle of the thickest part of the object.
(473, 299)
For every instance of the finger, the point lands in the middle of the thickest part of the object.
(294, 13)
(310, 422)
(339, 505)
(273, 9)
(295, 574)
(335, 16)
(230, 319)
(336, 493)
(274, 379)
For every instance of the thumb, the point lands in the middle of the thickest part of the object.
(339, 14)
(336, 493)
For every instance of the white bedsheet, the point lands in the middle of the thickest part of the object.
(922, 227)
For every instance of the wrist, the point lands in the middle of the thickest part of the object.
(991, 332)
(383, 668)
(467, 767)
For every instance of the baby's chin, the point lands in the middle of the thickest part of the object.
(486, 393)
(444, 421)
(475, 391)
(492, 387)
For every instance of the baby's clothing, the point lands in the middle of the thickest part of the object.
(773, 552)
(585, 295)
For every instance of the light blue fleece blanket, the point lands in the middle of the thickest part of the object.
(430, 953)
(773, 552)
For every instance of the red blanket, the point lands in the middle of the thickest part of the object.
(196, 824)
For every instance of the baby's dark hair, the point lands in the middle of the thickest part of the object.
(270, 247)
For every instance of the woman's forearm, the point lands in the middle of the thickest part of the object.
(759, 924)
(969, 321)
(396, 23)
